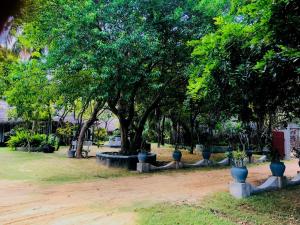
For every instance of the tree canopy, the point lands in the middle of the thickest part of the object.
(250, 64)
(191, 61)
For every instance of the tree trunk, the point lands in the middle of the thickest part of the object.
(49, 130)
(158, 131)
(136, 144)
(85, 127)
(177, 135)
(192, 135)
(124, 129)
(138, 136)
(270, 128)
(158, 126)
(163, 131)
(174, 132)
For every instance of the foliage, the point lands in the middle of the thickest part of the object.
(116, 132)
(248, 66)
(53, 140)
(24, 138)
(19, 139)
(37, 140)
(7, 58)
(101, 134)
(238, 158)
(29, 90)
(66, 131)
(133, 62)
(244, 65)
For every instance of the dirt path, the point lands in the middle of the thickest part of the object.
(111, 201)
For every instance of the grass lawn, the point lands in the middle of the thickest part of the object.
(57, 168)
(52, 168)
(274, 208)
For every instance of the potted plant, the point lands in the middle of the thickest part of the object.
(142, 156)
(277, 167)
(177, 155)
(296, 152)
(239, 171)
(50, 144)
(206, 153)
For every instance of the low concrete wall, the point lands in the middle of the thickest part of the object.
(114, 159)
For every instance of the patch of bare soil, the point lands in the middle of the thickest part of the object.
(104, 201)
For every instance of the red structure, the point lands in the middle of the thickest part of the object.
(278, 142)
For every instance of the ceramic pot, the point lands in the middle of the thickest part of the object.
(277, 168)
(177, 155)
(239, 174)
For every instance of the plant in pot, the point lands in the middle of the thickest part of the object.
(50, 144)
(239, 171)
(177, 155)
(206, 153)
(277, 167)
(142, 156)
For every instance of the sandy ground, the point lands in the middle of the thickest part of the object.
(112, 201)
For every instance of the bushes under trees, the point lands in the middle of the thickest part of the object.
(25, 140)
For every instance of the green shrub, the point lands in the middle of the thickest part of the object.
(101, 134)
(24, 138)
(20, 139)
(67, 130)
(37, 140)
(53, 140)
(116, 132)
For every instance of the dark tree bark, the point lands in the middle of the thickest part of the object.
(158, 126)
(125, 112)
(163, 131)
(98, 106)
(174, 132)
(137, 141)
(192, 124)
(124, 129)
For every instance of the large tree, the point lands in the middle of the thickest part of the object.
(251, 62)
(128, 53)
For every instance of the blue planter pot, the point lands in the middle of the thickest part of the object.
(239, 174)
(177, 155)
(142, 157)
(206, 155)
(277, 168)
